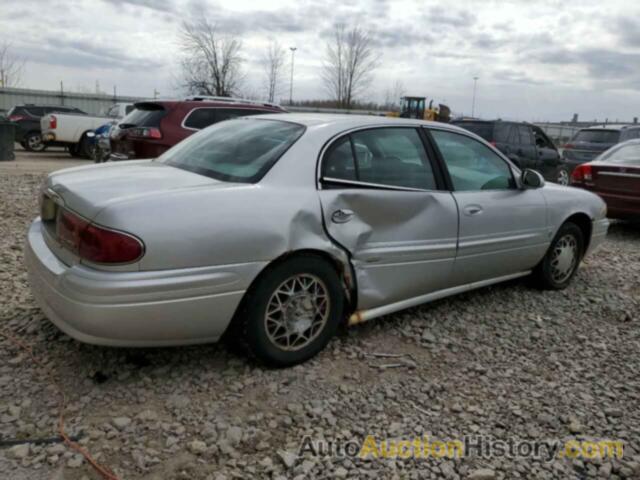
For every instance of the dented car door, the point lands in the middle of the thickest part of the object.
(381, 202)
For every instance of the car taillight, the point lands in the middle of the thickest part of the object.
(145, 132)
(568, 146)
(16, 118)
(493, 143)
(94, 243)
(53, 122)
(582, 173)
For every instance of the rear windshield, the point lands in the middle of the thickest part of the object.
(597, 136)
(482, 129)
(235, 150)
(628, 154)
(148, 115)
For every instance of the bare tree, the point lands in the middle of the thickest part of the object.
(212, 61)
(273, 69)
(349, 64)
(11, 67)
(393, 94)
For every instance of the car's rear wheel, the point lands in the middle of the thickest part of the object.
(561, 261)
(292, 312)
(33, 142)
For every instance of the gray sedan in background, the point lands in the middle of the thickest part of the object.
(275, 229)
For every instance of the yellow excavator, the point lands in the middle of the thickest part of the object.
(414, 107)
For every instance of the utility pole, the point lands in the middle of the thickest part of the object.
(473, 102)
(293, 51)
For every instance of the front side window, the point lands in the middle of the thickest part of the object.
(382, 156)
(234, 151)
(626, 154)
(472, 165)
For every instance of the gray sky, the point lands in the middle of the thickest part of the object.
(537, 60)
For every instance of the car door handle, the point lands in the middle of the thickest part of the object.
(472, 210)
(342, 215)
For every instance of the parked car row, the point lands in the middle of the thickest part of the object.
(154, 127)
(71, 129)
(27, 119)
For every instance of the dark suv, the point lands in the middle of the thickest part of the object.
(590, 142)
(155, 126)
(525, 144)
(27, 120)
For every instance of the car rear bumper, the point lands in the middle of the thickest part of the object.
(154, 308)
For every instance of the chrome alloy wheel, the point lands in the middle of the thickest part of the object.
(563, 177)
(297, 312)
(35, 142)
(564, 258)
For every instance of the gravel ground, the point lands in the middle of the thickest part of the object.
(507, 361)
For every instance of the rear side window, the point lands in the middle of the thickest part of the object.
(524, 133)
(382, 156)
(35, 111)
(144, 116)
(339, 162)
(229, 113)
(200, 118)
(504, 133)
(482, 129)
(597, 136)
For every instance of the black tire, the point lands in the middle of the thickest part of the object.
(251, 321)
(85, 148)
(33, 142)
(546, 275)
(74, 150)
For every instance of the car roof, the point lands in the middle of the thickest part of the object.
(209, 104)
(610, 127)
(346, 121)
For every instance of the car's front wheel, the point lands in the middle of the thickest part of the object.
(293, 311)
(561, 261)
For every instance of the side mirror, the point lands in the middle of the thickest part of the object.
(531, 179)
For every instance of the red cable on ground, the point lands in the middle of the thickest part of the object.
(102, 470)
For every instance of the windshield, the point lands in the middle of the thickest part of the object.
(484, 130)
(628, 154)
(597, 136)
(235, 150)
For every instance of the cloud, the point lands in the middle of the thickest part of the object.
(628, 30)
(159, 5)
(438, 16)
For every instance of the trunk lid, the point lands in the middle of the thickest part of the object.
(87, 190)
(620, 179)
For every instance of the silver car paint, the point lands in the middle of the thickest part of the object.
(233, 231)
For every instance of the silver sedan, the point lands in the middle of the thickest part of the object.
(274, 230)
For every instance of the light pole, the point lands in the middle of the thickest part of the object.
(473, 102)
(293, 51)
